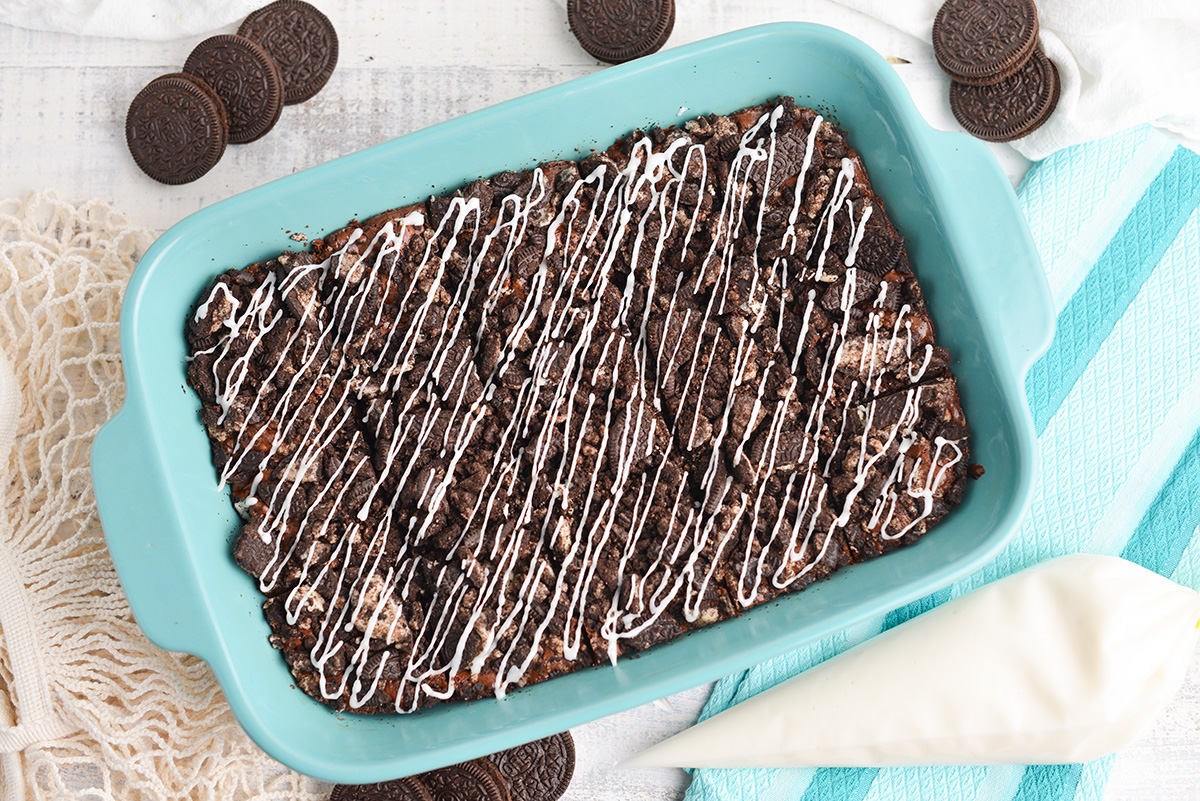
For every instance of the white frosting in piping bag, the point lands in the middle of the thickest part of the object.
(1064, 662)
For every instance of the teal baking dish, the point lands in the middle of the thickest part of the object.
(170, 529)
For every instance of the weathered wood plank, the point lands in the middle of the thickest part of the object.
(460, 33)
(63, 98)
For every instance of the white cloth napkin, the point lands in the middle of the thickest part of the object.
(1122, 64)
(130, 19)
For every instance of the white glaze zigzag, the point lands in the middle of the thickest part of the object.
(512, 593)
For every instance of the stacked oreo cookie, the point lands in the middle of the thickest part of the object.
(565, 414)
(232, 90)
(1003, 86)
(537, 771)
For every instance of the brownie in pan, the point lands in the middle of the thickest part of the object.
(568, 413)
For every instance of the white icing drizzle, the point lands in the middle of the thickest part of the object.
(859, 230)
(517, 584)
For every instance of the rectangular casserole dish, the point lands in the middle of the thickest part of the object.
(170, 529)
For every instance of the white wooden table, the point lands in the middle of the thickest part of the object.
(405, 65)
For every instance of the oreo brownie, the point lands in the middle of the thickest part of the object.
(568, 413)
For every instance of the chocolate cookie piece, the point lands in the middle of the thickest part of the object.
(301, 40)
(538, 771)
(406, 789)
(247, 80)
(981, 42)
(1013, 108)
(905, 457)
(176, 128)
(667, 29)
(468, 781)
(621, 30)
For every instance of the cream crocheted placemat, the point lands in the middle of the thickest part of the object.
(89, 709)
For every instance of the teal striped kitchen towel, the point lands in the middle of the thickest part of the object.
(1116, 403)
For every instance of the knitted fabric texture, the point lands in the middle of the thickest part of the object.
(90, 709)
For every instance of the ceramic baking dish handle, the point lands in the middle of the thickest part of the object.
(1012, 282)
(132, 496)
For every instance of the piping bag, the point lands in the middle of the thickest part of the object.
(1063, 662)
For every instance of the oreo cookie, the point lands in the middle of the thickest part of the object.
(621, 30)
(981, 42)
(176, 128)
(301, 40)
(538, 771)
(247, 80)
(406, 789)
(1012, 108)
(468, 781)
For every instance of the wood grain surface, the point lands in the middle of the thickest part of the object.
(402, 66)
(405, 65)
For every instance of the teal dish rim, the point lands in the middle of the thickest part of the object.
(170, 529)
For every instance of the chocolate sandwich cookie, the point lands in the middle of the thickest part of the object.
(1012, 108)
(538, 771)
(468, 781)
(301, 40)
(406, 789)
(246, 78)
(980, 42)
(621, 30)
(176, 128)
